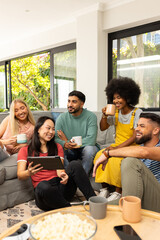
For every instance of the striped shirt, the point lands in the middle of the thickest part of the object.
(154, 166)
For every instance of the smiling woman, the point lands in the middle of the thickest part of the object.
(53, 188)
(124, 93)
(19, 121)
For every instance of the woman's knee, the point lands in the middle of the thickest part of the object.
(42, 187)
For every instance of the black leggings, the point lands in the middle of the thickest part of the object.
(52, 194)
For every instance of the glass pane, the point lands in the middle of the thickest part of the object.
(31, 80)
(138, 57)
(2, 88)
(64, 76)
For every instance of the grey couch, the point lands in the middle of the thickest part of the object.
(14, 191)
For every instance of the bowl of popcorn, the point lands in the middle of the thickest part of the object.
(62, 225)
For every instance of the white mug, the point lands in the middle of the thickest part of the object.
(77, 140)
(21, 138)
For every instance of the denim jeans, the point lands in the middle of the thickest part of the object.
(85, 154)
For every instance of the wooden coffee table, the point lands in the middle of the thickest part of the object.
(148, 228)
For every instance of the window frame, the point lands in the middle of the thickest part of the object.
(52, 51)
(150, 27)
(56, 50)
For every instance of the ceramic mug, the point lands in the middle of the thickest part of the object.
(77, 140)
(21, 138)
(97, 207)
(110, 109)
(131, 208)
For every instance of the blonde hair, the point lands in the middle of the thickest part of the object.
(14, 121)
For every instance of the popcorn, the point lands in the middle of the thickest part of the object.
(60, 226)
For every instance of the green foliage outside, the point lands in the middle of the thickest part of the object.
(30, 79)
(149, 79)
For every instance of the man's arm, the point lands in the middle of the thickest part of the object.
(132, 151)
(137, 152)
(91, 135)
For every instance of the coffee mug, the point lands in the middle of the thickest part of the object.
(77, 140)
(110, 109)
(21, 138)
(131, 208)
(97, 207)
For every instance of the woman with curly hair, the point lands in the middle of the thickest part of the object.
(124, 93)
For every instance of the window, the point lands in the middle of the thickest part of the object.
(63, 74)
(2, 87)
(30, 79)
(43, 80)
(135, 53)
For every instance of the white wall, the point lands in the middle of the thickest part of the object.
(91, 65)
(52, 38)
(89, 30)
(131, 14)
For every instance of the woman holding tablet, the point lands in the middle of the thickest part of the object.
(53, 188)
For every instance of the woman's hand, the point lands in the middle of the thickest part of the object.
(12, 140)
(63, 175)
(33, 170)
(17, 147)
(104, 110)
(61, 135)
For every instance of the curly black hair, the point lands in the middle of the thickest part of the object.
(126, 88)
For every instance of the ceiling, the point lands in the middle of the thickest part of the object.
(21, 18)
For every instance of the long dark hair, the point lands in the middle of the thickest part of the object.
(34, 147)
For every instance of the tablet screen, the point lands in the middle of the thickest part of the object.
(48, 162)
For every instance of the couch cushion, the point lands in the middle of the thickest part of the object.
(10, 166)
(2, 174)
(3, 154)
(55, 115)
(104, 138)
(14, 192)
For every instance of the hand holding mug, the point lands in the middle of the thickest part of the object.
(77, 140)
(21, 138)
(110, 110)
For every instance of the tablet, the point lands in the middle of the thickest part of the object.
(47, 162)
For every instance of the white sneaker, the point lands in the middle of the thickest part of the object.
(114, 196)
(103, 192)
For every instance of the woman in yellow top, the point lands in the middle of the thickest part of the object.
(124, 93)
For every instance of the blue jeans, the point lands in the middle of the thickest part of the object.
(85, 154)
